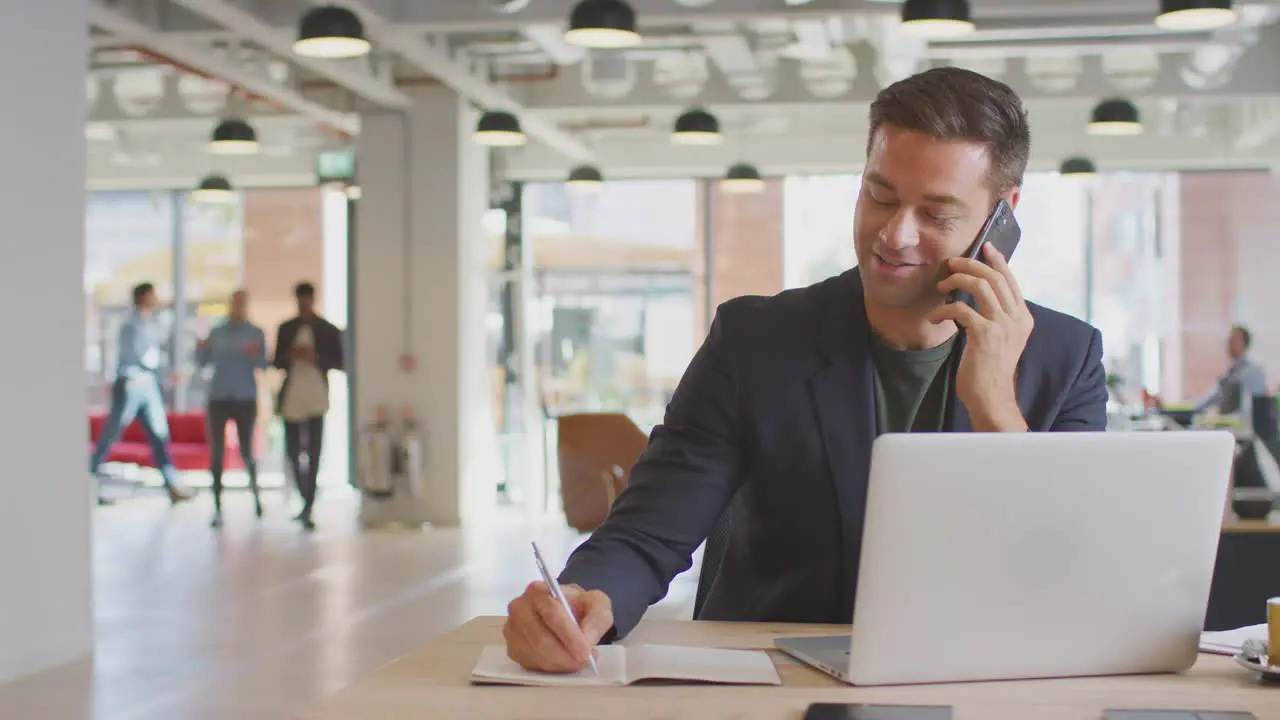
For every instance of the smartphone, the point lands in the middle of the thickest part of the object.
(857, 711)
(1002, 231)
(1175, 715)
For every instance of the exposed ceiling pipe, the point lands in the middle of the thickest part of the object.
(639, 123)
(202, 61)
(457, 73)
(550, 40)
(1259, 120)
(1170, 46)
(1211, 66)
(745, 70)
(165, 60)
(247, 25)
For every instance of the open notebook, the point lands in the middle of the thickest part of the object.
(624, 665)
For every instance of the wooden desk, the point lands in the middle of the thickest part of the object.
(1270, 524)
(433, 682)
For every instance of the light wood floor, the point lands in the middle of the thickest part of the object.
(259, 619)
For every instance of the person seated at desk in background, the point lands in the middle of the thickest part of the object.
(1243, 380)
(777, 411)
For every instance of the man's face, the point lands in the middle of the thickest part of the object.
(1235, 345)
(148, 301)
(306, 304)
(239, 305)
(922, 201)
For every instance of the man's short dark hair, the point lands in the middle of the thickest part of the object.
(1245, 336)
(950, 103)
(304, 289)
(141, 290)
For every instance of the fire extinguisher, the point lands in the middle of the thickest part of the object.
(408, 467)
(377, 455)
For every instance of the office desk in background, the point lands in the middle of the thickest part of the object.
(1246, 574)
(434, 682)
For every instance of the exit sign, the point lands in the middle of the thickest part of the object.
(336, 166)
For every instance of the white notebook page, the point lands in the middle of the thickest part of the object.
(702, 664)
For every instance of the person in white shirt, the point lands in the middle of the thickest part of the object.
(307, 348)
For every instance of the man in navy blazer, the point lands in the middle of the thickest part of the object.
(776, 414)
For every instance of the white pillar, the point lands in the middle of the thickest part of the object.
(45, 493)
(421, 293)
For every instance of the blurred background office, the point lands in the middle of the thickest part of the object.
(522, 214)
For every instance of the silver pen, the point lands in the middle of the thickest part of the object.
(554, 587)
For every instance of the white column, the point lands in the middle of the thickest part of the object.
(420, 294)
(45, 493)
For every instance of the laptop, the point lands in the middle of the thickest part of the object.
(995, 556)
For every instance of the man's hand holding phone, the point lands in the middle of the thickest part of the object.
(541, 637)
(997, 333)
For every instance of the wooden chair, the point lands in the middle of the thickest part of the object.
(595, 452)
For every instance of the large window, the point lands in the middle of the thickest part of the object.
(613, 308)
(129, 239)
(197, 254)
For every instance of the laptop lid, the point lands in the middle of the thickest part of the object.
(999, 556)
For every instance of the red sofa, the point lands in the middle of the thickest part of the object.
(188, 443)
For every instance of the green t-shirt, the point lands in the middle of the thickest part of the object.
(911, 387)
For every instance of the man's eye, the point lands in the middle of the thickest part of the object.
(942, 221)
(881, 203)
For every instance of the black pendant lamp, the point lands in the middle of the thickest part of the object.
(937, 19)
(234, 136)
(741, 179)
(213, 189)
(602, 24)
(586, 178)
(1115, 117)
(1195, 14)
(1078, 166)
(331, 31)
(498, 128)
(696, 127)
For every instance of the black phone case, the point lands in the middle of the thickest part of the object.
(861, 711)
(1000, 229)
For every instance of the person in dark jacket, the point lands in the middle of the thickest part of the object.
(307, 348)
(776, 415)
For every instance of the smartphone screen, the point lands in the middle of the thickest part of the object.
(1002, 231)
(854, 711)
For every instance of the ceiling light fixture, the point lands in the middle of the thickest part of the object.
(585, 178)
(696, 127)
(498, 128)
(937, 19)
(234, 136)
(1195, 14)
(1115, 117)
(602, 24)
(1078, 166)
(330, 31)
(213, 189)
(742, 179)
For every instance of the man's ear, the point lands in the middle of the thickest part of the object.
(1012, 197)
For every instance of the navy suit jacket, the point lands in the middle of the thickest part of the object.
(776, 416)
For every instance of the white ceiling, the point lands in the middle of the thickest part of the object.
(790, 83)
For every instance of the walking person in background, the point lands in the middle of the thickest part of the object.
(236, 349)
(136, 393)
(307, 348)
